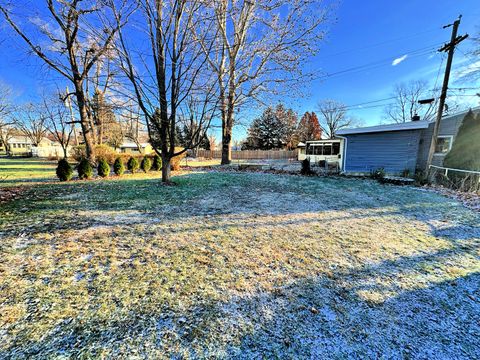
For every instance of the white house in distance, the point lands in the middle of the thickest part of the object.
(21, 145)
(129, 147)
(329, 151)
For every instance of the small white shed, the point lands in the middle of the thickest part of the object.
(329, 151)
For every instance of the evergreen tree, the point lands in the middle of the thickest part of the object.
(465, 152)
(103, 168)
(118, 166)
(274, 129)
(64, 170)
(309, 128)
(157, 163)
(85, 170)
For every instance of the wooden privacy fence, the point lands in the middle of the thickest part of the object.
(251, 154)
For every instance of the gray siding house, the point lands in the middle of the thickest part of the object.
(396, 147)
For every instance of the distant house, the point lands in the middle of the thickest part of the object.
(129, 147)
(397, 147)
(21, 145)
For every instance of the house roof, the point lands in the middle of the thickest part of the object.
(411, 125)
(129, 144)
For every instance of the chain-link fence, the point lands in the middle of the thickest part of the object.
(457, 179)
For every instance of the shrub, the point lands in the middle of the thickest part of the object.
(105, 152)
(101, 151)
(405, 173)
(78, 153)
(118, 166)
(420, 177)
(157, 163)
(132, 165)
(64, 170)
(175, 162)
(85, 170)
(103, 168)
(306, 170)
(146, 164)
(378, 174)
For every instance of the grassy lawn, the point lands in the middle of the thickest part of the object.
(15, 171)
(241, 265)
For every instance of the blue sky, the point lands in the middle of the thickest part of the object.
(364, 32)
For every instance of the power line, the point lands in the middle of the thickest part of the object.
(378, 63)
(379, 43)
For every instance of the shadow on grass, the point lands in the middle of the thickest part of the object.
(421, 305)
(319, 317)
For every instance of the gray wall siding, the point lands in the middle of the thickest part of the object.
(448, 126)
(395, 151)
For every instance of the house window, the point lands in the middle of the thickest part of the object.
(335, 148)
(444, 144)
(327, 149)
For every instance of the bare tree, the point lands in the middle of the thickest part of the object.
(31, 120)
(169, 79)
(262, 45)
(70, 38)
(133, 126)
(213, 142)
(406, 105)
(58, 122)
(6, 110)
(333, 117)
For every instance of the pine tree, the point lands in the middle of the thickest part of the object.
(103, 168)
(465, 152)
(118, 166)
(274, 129)
(64, 170)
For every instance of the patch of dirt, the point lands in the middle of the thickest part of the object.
(9, 194)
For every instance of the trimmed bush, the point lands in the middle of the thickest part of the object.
(146, 164)
(103, 168)
(157, 163)
(118, 166)
(132, 165)
(378, 174)
(85, 170)
(64, 170)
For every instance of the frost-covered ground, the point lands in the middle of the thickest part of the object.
(238, 265)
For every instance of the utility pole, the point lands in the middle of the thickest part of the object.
(450, 47)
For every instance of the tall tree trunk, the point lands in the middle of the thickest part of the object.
(226, 145)
(84, 121)
(227, 119)
(166, 169)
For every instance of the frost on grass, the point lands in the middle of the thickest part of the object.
(238, 265)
